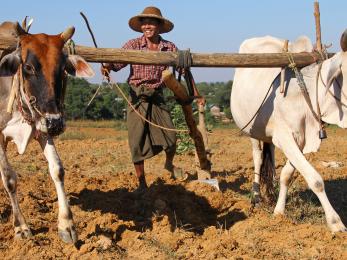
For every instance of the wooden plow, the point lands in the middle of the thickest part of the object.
(218, 60)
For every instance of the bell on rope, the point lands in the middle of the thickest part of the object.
(322, 134)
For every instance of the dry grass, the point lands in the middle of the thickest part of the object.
(119, 125)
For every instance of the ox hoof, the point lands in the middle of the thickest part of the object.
(68, 235)
(338, 227)
(255, 199)
(278, 213)
(22, 234)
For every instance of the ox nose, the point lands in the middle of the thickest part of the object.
(55, 125)
(50, 107)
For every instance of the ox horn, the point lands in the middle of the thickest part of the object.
(27, 24)
(343, 41)
(67, 34)
(19, 30)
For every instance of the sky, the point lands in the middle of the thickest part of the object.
(203, 26)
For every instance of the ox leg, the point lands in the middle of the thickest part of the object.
(286, 175)
(9, 179)
(257, 160)
(66, 227)
(313, 179)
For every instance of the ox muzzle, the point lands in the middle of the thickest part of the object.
(55, 126)
(52, 124)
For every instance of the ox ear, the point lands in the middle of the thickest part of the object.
(19, 30)
(77, 66)
(9, 64)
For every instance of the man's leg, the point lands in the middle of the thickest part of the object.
(140, 173)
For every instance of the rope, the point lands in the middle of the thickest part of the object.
(111, 84)
(71, 47)
(303, 87)
(184, 59)
(256, 113)
(91, 100)
(183, 65)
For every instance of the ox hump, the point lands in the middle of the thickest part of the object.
(270, 44)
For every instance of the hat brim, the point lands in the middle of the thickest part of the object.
(135, 23)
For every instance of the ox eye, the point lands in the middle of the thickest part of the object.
(28, 68)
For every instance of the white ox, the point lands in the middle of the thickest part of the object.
(284, 119)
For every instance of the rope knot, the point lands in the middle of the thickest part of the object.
(184, 59)
(292, 65)
(32, 100)
(71, 47)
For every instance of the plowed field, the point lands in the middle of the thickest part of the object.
(173, 220)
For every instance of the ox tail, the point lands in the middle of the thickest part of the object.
(267, 174)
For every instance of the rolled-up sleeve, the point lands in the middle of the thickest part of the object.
(130, 45)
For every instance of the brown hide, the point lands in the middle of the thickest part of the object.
(48, 51)
(7, 30)
(42, 75)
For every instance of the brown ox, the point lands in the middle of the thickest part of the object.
(40, 68)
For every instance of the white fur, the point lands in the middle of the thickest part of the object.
(18, 131)
(285, 120)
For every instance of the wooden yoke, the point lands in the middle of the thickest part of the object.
(181, 94)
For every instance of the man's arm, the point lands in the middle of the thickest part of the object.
(106, 68)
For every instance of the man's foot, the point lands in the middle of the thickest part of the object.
(177, 173)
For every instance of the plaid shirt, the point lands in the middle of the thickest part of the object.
(149, 75)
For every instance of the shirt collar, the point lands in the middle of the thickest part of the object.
(162, 43)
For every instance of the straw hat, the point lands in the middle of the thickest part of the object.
(151, 12)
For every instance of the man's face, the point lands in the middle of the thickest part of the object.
(150, 27)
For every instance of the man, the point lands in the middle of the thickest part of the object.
(146, 94)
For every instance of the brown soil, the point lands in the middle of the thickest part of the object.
(186, 220)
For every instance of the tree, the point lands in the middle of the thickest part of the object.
(108, 104)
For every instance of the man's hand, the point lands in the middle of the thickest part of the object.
(105, 70)
(201, 101)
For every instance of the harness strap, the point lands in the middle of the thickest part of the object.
(184, 63)
(184, 59)
(303, 88)
(71, 47)
(25, 102)
(13, 93)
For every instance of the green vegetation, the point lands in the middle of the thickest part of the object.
(107, 109)
(217, 93)
(109, 105)
(185, 143)
(105, 105)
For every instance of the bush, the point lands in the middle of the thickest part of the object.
(184, 142)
